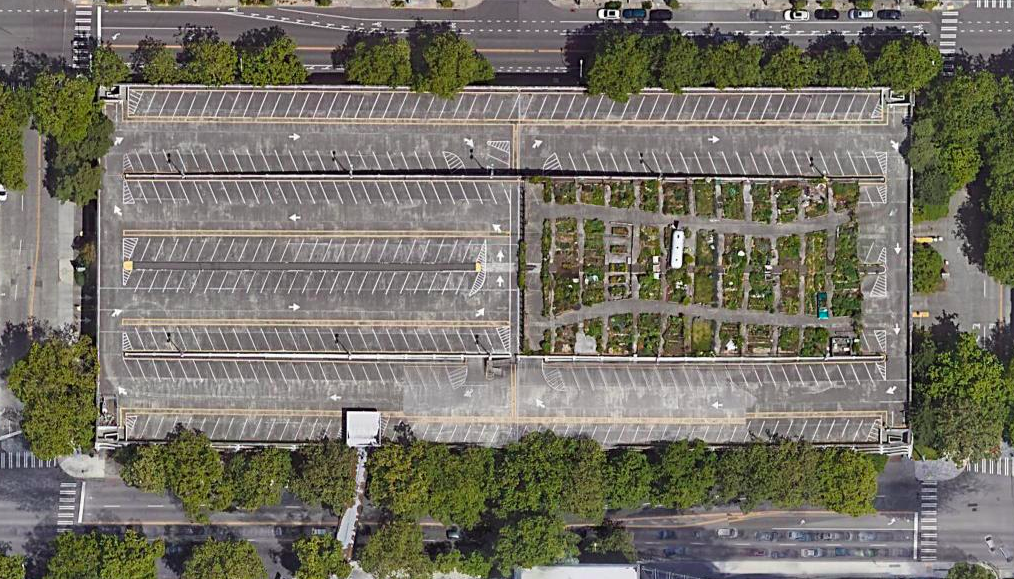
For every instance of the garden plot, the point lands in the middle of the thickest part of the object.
(759, 340)
(733, 204)
(760, 194)
(679, 281)
(704, 198)
(789, 252)
(762, 289)
(816, 268)
(705, 268)
(675, 199)
(649, 262)
(734, 261)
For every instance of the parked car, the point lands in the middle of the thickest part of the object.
(763, 15)
(757, 553)
(728, 533)
(453, 534)
(857, 14)
(796, 15)
(674, 551)
(608, 14)
(812, 553)
(841, 552)
(826, 14)
(666, 534)
(635, 13)
(889, 14)
(867, 536)
(3, 193)
(800, 536)
(660, 15)
(779, 554)
(766, 535)
(829, 536)
(868, 552)
(990, 544)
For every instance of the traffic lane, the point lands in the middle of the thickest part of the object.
(970, 507)
(29, 504)
(41, 26)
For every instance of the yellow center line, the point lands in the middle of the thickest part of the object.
(289, 323)
(310, 233)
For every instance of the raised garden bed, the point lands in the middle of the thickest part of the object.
(733, 206)
(846, 196)
(788, 262)
(730, 339)
(545, 276)
(787, 201)
(759, 339)
(816, 268)
(674, 199)
(788, 341)
(761, 195)
(815, 342)
(649, 334)
(762, 291)
(705, 273)
(621, 335)
(846, 300)
(565, 193)
(566, 337)
(649, 195)
(593, 193)
(704, 198)
(594, 290)
(674, 337)
(649, 288)
(622, 194)
(702, 337)
(546, 344)
(593, 329)
(816, 200)
(734, 266)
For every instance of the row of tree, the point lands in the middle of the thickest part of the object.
(962, 397)
(15, 107)
(132, 556)
(204, 480)
(625, 62)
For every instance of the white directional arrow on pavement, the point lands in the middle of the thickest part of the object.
(496, 227)
(117, 210)
(121, 391)
(897, 329)
(116, 313)
(294, 217)
(293, 307)
(468, 393)
(537, 144)
(895, 145)
(713, 139)
(469, 143)
(480, 312)
(294, 137)
(897, 248)
(716, 405)
(117, 141)
(335, 397)
(115, 36)
(539, 403)
(891, 390)
(499, 255)
(378, 24)
(499, 281)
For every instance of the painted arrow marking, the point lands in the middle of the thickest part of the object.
(293, 307)
(294, 137)
(537, 144)
(713, 139)
(294, 217)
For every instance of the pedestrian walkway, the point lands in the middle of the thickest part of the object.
(67, 507)
(1001, 466)
(994, 4)
(82, 40)
(949, 40)
(11, 460)
(928, 520)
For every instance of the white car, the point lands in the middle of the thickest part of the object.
(3, 193)
(609, 14)
(796, 15)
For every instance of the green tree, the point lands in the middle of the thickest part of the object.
(746, 474)
(206, 59)
(132, 557)
(74, 170)
(56, 382)
(966, 430)
(474, 564)
(460, 484)
(963, 570)
(732, 64)
(678, 64)
(195, 474)
(63, 108)
(999, 260)
(533, 540)
(968, 371)
(144, 467)
(999, 156)
(108, 68)
(396, 552)
(788, 68)
(685, 475)
(844, 67)
(258, 477)
(907, 65)
(395, 480)
(268, 57)
(927, 264)
(74, 556)
(630, 479)
(846, 481)
(450, 63)
(621, 65)
(320, 557)
(325, 473)
(155, 62)
(14, 116)
(609, 543)
(584, 495)
(532, 473)
(12, 567)
(385, 61)
(224, 560)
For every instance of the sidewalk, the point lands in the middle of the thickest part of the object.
(301, 4)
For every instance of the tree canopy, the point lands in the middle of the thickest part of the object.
(846, 67)
(215, 559)
(686, 475)
(258, 477)
(396, 552)
(56, 381)
(104, 556)
(14, 114)
(907, 64)
(108, 68)
(630, 478)
(789, 68)
(12, 566)
(621, 65)
(450, 63)
(195, 474)
(678, 64)
(927, 265)
(532, 541)
(155, 62)
(207, 60)
(964, 570)
(62, 107)
(380, 61)
(320, 557)
(733, 64)
(267, 56)
(74, 170)
(325, 474)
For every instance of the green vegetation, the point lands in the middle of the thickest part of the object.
(649, 334)
(962, 397)
(594, 262)
(846, 197)
(108, 69)
(649, 195)
(759, 339)
(788, 68)
(566, 338)
(621, 64)
(609, 543)
(545, 276)
(320, 557)
(732, 201)
(448, 64)
(815, 342)
(63, 108)
(593, 193)
(702, 337)
(674, 199)
(907, 64)
(649, 288)
(56, 384)
(630, 475)
(704, 198)
(74, 170)
(730, 339)
(381, 61)
(12, 566)
(788, 260)
(565, 193)
(734, 265)
(963, 570)
(705, 274)
(257, 478)
(155, 62)
(325, 474)
(267, 56)
(102, 555)
(787, 199)
(684, 475)
(593, 329)
(762, 292)
(761, 195)
(788, 341)
(999, 206)
(847, 297)
(621, 335)
(532, 541)
(15, 107)
(205, 59)
(215, 559)
(674, 337)
(622, 195)
(816, 201)
(816, 268)
(678, 281)
(843, 67)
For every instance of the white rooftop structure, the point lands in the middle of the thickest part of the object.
(362, 428)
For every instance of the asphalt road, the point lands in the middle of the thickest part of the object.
(985, 27)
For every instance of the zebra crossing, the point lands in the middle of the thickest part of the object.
(949, 39)
(82, 40)
(12, 460)
(928, 515)
(994, 3)
(67, 507)
(1001, 466)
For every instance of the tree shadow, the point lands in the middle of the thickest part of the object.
(258, 38)
(38, 548)
(285, 556)
(580, 45)
(971, 224)
(341, 54)
(1001, 342)
(1001, 63)
(822, 44)
(17, 339)
(872, 39)
(945, 332)
(421, 36)
(27, 65)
